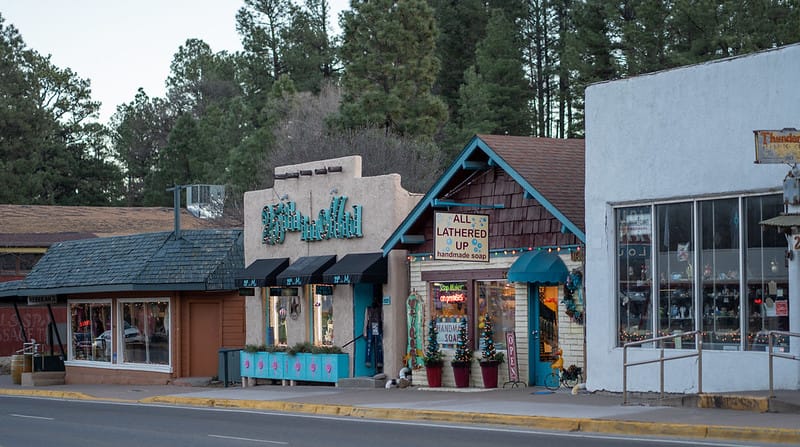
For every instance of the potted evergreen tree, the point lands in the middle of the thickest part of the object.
(490, 358)
(462, 359)
(433, 356)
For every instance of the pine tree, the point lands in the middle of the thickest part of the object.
(489, 352)
(433, 354)
(463, 354)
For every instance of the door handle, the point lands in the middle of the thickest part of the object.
(535, 333)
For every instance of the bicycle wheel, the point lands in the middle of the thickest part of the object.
(551, 381)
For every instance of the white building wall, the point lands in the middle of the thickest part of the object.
(676, 134)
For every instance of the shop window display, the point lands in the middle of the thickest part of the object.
(634, 285)
(767, 286)
(90, 328)
(145, 331)
(279, 307)
(450, 305)
(497, 299)
(675, 265)
(739, 290)
(323, 316)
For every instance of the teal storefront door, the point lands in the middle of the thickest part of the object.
(543, 330)
(362, 299)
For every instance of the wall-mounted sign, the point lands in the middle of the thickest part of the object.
(331, 223)
(451, 292)
(462, 237)
(283, 291)
(324, 290)
(777, 146)
(42, 300)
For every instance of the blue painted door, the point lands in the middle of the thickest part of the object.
(362, 299)
(542, 331)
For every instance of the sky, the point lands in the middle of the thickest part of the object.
(121, 45)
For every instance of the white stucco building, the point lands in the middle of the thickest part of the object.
(673, 205)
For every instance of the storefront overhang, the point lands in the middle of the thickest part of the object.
(306, 270)
(262, 272)
(784, 222)
(540, 267)
(358, 268)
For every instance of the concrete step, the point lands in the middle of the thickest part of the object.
(43, 378)
(361, 382)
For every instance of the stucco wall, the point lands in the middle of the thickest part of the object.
(385, 204)
(669, 135)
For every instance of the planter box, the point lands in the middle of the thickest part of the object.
(303, 366)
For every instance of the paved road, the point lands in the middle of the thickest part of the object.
(26, 421)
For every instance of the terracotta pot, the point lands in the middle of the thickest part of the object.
(434, 373)
(489, 371)
(461, 374)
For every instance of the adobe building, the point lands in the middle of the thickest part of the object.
(315, 270)
(676, 206)
(501, 233)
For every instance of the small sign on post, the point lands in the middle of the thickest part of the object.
(513, 366)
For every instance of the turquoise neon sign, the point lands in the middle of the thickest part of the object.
(331, 223)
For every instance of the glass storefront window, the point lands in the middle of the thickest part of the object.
(720, 274)
(734, 297)
(323, 315)
(675, 264)
(90, 328)
(145, 331)
(634, 236)
(279, 306)
(767, 276)
(449, 306)
(497, 299)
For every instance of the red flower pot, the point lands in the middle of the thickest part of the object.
(461, 374)
(489, 371)
(434, 373)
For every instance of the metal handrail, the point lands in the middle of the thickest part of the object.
(661, 359)
(772, 355)
(30, 348)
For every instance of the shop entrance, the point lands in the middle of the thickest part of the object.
(543, 330)
(362, 299)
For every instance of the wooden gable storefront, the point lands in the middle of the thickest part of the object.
(525, 195)
(142, 309)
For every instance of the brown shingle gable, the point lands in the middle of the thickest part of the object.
(553, 166)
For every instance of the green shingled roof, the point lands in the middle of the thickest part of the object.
(198, 260)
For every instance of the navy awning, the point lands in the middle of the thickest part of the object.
(538, 266)
(261, 273)
(306, 270)
(358, 268)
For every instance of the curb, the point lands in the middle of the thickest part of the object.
(716, 432)
(605, 426)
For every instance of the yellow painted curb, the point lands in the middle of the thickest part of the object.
(733, 402)
(47, 393)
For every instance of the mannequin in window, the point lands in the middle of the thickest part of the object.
(373, 333)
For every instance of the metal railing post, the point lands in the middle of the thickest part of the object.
(624, 375)
(769, 353)
(661, 371)
(699, 365)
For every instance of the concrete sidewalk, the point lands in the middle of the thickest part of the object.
(527, 407)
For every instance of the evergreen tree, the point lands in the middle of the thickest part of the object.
(310, 54)
(433, 353)
(463, 353)
(488, 351)
(389, 55)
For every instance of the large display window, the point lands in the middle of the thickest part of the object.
(454, 300)
(130, 331)
(90, 328)
(720, 289)
(323, 315)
